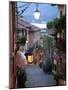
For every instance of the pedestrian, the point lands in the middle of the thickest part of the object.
(37, 56)
(20, 57)
(21, 64)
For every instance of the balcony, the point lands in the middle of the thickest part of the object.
(61, 44)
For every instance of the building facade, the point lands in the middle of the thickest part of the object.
(60, 49)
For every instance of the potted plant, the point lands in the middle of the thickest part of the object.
(48, 66)
(22, 40)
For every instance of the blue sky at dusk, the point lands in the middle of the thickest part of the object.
(47, 11)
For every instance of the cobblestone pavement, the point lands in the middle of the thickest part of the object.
(37, 78)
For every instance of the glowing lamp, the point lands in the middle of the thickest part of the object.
(37, 14)
(30, 58)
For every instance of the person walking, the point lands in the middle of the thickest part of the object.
(37, 56)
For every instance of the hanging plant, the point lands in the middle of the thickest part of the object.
(22, 40)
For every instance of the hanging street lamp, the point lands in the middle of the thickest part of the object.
(37, 13)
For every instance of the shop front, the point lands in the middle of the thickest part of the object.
(58, 71)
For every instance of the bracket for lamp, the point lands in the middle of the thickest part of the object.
(37, 5)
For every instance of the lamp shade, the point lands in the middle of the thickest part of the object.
(37, 15)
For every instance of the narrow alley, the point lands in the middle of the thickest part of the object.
(37, 45)
(36, 77)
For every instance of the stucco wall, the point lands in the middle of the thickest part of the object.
(33, 38)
